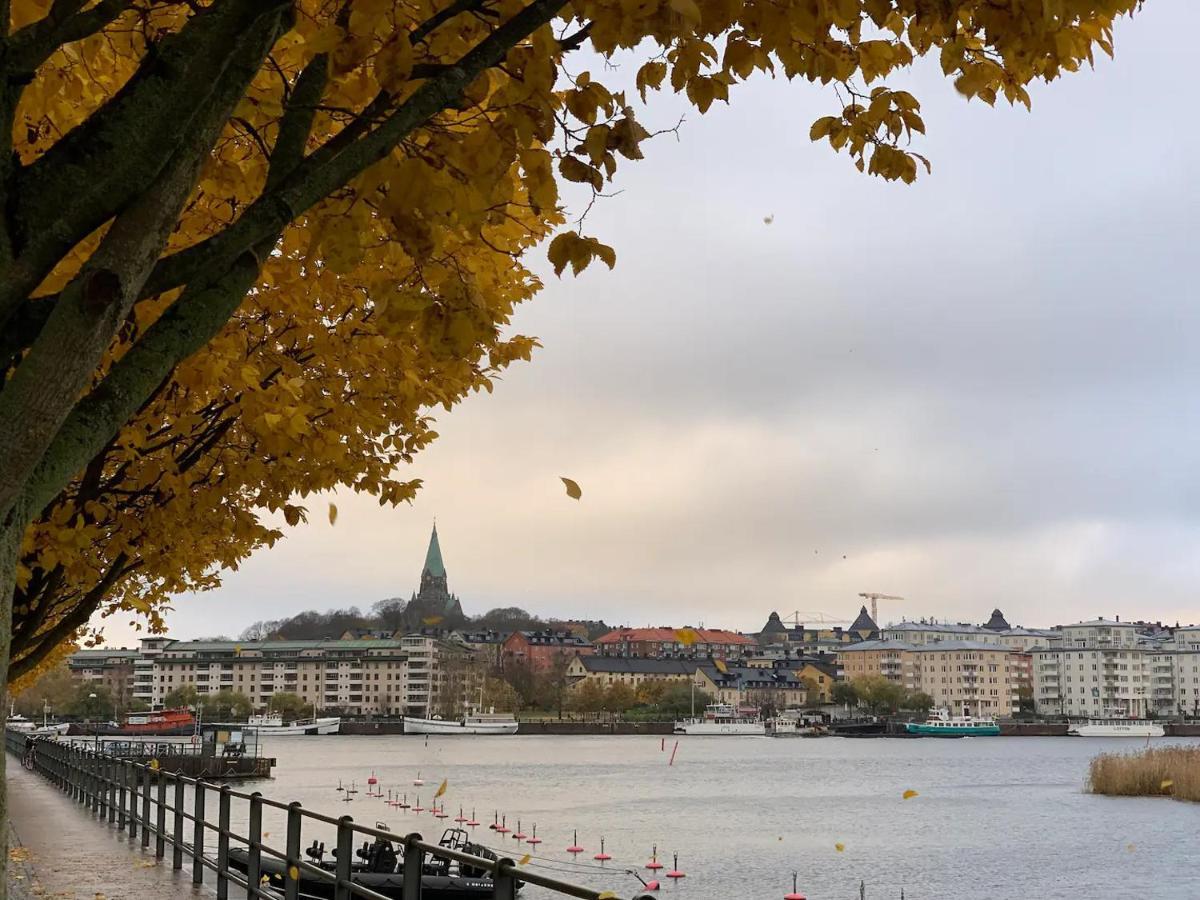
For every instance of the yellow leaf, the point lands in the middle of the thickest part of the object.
(839, 847)
(332, 513)
(687, 636)
(1166, 784)
(154, 765)
(432, 620)
(441, 790)
(294, 873)
(573, 489)
(909, 794)
(524, 860)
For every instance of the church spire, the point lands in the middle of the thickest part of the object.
(433, 557)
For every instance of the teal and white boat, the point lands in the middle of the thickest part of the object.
(941, 724)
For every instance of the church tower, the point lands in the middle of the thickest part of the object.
(433, 605)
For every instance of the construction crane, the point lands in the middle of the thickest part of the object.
(810, 617)
(874, 598)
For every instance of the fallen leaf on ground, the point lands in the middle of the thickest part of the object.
(19, 854)
(524, 860)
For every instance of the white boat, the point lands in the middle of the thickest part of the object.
(1116, 727)
(51, 730)
(790, 723)
(722, 718)
(471, 723)
(17, 722)
(270, 725)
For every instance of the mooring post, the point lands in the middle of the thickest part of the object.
(254, 848)
(198, 832)
(344, 855)
(120, 764)
(291, 882)
(414, 862)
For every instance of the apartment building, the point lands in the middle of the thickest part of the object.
(1107, 667)
(972, 676)
(415, 675)
(677, 642)
(931, 632)
(111, 669)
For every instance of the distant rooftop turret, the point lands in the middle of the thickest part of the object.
(997, 622)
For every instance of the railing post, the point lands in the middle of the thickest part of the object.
(93, 781)
(414, 862)
(344, 857)
(122, 771)
(504, 883)
(198, 832)
(146, 806)
(110, 767)
(254, 847)
(223, 843)
(291, 882)
(177, 827)
(160, 826)
(131, 778)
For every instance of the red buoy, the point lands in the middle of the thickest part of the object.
(473, 823)
(403, 804)
(675, 873)
(417, 807)
(460, 818)
(654, 865)
(372, 779)
(519, 835)
(602, 856)
(534, 839)
(574, 848)
(795, 894)
(441, 813)
(503, 828)
(651, 885)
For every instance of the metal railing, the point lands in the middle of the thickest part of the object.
(155, 805)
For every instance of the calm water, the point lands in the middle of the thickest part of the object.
(995, 818)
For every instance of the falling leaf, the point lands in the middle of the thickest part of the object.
(524, 860)
(687, 636)
(1131, 847)
(266, 834)
(573, 489)
(147, 865)
(839, 847)
(1166, 784)
(606, 895)
(154, 765)
(332, 513)
(442, 789)
(781, 837)
(767, 220)
(266, 879)
(294, 873)
(432, 620)
(909, 794)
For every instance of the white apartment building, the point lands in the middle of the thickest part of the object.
(1105, 667)
(1020, 640)
(380, 677)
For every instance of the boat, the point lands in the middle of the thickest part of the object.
(17, 722)
(164, 722)
(272, 725)
(472, 723)
(1116, 726)
(51, 730)
(723, 719)
(941, 724)
(790, 723)
(379, 868)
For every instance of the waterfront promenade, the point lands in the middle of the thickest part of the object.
(58, 852)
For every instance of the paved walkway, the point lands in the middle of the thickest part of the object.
(59, 851)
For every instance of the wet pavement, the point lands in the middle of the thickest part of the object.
(60, 851)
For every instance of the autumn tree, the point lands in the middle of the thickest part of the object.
(288, 705)
(183, 697)
(226, 705)
(246, 245)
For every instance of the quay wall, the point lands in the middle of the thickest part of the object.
(548, 726)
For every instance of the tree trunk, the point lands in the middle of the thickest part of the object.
(10, 543)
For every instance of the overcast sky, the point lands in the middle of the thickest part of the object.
(976, 391)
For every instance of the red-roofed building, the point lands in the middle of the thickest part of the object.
(540, 649)
(667, 642)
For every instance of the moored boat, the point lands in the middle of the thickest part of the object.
(723, 719)
(271, 725)
(1116, 727)
(164, 722)
(941, 724)
(472, 723)
(379, 868)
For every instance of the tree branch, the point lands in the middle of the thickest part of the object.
(35, 43)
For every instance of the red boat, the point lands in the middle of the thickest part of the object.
(163, 722)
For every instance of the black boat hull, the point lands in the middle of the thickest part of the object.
(389, 884)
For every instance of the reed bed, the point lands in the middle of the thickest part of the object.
(1153, 772)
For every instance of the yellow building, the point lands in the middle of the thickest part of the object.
(631, 671)
(980, 679)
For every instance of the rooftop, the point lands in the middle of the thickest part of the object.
(672, 636)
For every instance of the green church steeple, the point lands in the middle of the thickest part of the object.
(433, 557)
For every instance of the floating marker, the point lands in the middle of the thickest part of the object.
(674, 749)
(404, 803)
(574, 848)
(795, 894)
(675, 873)
(534, 839)
(519, 835)
(417, 782)
(602, 856)
(441, 813)
(372, 779)
(417, 807)
(473, 822)
(339, 787)
(503, 828)
(654, 865)
(460, 818)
